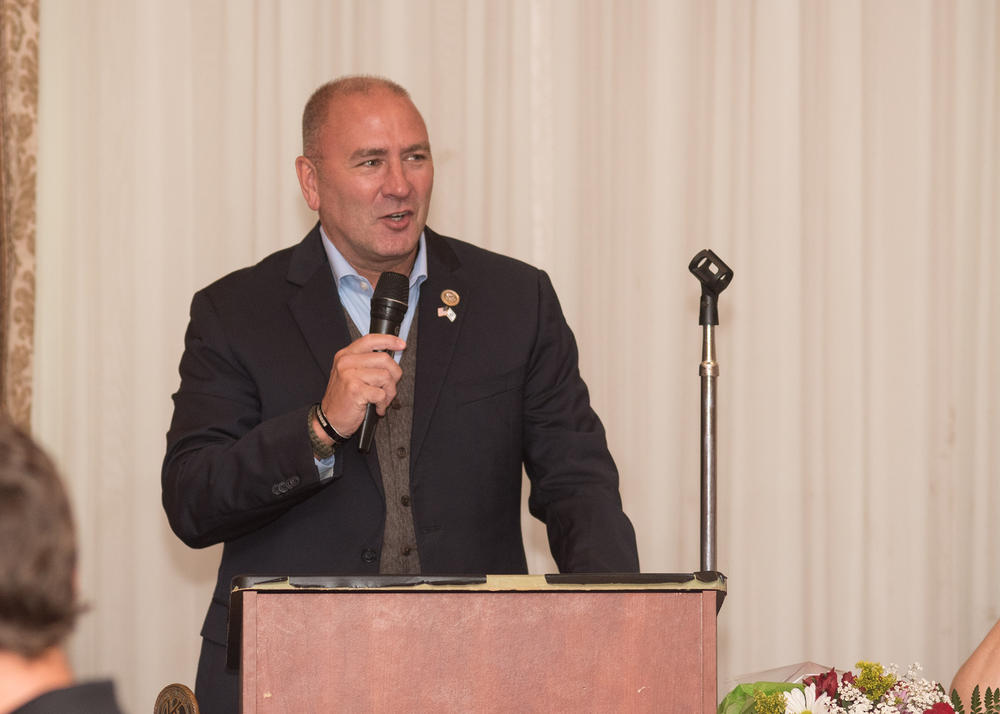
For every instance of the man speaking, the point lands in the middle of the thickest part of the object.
(278, 373)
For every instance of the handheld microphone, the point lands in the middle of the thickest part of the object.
(388, 309)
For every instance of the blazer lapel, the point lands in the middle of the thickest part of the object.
(316, 306)
(438, 335)
(320, 316)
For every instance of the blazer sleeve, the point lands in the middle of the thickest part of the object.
(574, 480)
(227, 470)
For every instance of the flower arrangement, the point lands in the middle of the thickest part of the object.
(873, 689)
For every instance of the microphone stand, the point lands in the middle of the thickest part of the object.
(715, 277)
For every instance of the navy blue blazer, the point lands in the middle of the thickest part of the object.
(496, 388)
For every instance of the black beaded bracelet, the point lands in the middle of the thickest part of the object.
(338, 439)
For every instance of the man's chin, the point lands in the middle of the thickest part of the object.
(378, 249)
(395, 250)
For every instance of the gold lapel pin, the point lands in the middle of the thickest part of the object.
(450, 298)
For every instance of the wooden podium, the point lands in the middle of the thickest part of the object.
(526, 643)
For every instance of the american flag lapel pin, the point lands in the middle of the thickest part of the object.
(450, 298)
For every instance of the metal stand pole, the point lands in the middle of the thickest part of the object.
(709, 371)
(715, 277)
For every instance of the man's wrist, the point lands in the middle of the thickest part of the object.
(320, 448)
(316, 412)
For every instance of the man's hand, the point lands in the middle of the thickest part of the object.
(362, 374)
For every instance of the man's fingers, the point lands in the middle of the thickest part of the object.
(367, 364)
(375, 342)
(380, 396)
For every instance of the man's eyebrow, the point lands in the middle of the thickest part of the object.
(368, 153)
(423, 146)
(373, 152)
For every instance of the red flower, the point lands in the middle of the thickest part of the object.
(940, 708)
(825, 684)
(848, 678)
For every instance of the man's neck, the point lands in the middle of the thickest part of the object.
(22, 679)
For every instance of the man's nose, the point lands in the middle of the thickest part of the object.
(396, 184)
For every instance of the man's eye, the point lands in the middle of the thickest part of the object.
(417, 157)
(370, 163)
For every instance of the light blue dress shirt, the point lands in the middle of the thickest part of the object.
(356, 296)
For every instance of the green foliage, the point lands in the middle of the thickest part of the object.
(956, 702)
(978, 704)
(741, 700)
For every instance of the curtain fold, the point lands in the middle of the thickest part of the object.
(18, 159)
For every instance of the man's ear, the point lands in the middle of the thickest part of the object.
(308, 181)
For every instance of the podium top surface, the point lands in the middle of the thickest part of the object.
(486, 583)
(571, 582)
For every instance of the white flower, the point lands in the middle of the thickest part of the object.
(799, 701)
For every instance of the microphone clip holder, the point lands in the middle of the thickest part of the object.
(715, 277)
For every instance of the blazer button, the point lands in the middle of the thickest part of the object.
(276, 488)
(369, 555)
(293, 481)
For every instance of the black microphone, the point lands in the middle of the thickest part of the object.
(388, 309)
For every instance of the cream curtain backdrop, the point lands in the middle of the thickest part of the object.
(843, 157)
